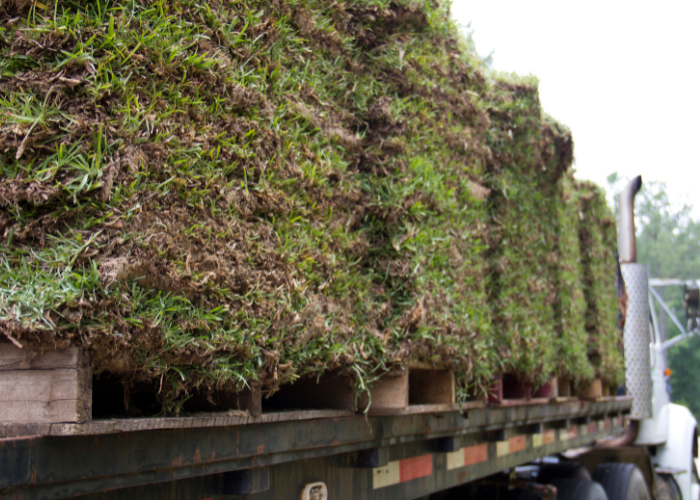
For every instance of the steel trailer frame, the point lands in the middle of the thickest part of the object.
(356, 456)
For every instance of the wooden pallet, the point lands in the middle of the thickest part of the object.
(564, 387)
(420, 388)
(597, 391)
(508, 390)
(56, 387)
(44, 388)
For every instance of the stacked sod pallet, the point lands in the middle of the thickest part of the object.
(598, 242)
(203, 194)
(524, 224)
(571, 304)
(208, 194)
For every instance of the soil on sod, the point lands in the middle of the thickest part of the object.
(208, 193)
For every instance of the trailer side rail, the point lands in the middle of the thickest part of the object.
(430, 451)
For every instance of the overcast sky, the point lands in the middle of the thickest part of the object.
(624, 76)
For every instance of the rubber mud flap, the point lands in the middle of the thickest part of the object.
(579, 489)
(563, 470)
(622, 481)
(668, 488)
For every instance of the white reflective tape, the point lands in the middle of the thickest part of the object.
(455, 459)
(536, 440)
(502, 448)
(386, 476)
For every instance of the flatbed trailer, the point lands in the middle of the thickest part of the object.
(334, 454)
(406, 437)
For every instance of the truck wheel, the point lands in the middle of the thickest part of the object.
(563, 470)
(578, 489)
(622, 481)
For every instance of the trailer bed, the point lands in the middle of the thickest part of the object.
(273, 456)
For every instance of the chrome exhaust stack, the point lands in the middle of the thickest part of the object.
(637, 334)
(626, 240)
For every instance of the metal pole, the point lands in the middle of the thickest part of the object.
(654, 319)
(671, 342)
(665, 307)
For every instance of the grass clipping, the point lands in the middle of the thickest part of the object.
(209, 193)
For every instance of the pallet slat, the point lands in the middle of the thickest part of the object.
(389, 394)
(431, 387)
(38, 388)
(564, 387)
(412, 391)
(593, 391)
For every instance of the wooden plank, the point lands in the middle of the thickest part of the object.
(112, 426)
(431, 387)
(50, 387)
(564, 387)
(413, 410)
(389, 393)
(602, 398)
(524, 402)
(331, 391)
(563, 399)
(250, 399)
(593, 391)
(422, 365)
(13, 358)
(473, 405)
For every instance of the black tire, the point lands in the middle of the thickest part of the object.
(579, 489)
(622, 481)
(563, 470)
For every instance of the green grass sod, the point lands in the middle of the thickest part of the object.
(598, 238)
(209, 193)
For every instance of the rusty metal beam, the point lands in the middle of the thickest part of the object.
(67, 466)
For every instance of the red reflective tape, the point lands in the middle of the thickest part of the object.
(572, 431)
(413, 468)
(476, 454)
(592, 428)
(517, 443)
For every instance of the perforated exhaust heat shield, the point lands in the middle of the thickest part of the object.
(637, 340)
